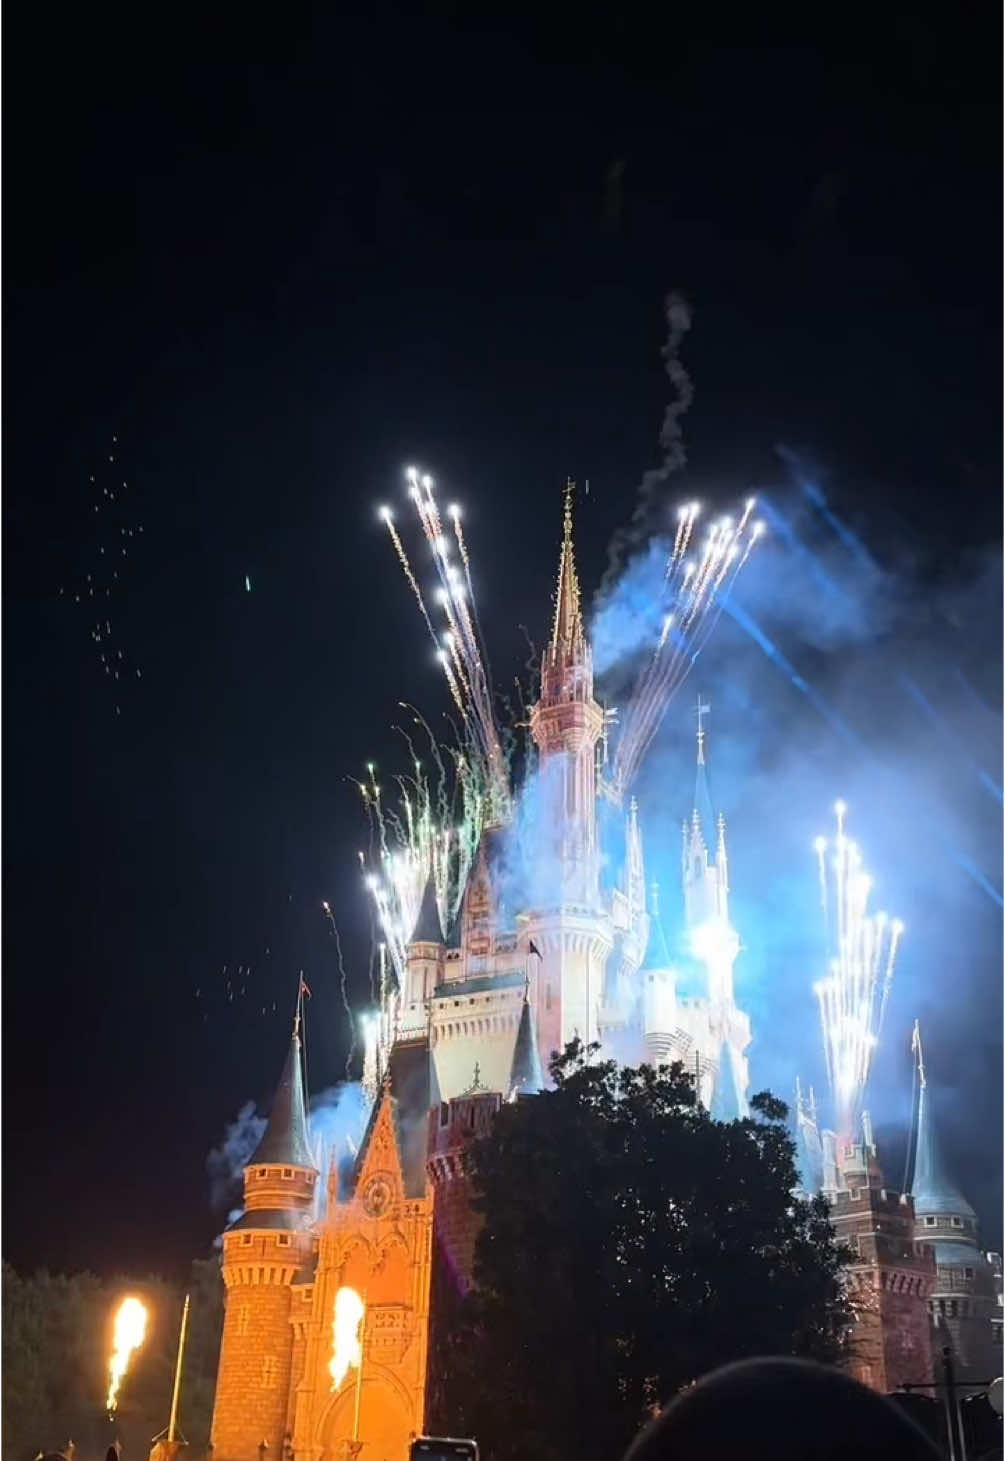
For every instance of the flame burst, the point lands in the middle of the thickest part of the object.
(129, 1334)
(347, 1335)
(694, 589)
(854, 994)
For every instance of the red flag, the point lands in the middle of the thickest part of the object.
(303, 987)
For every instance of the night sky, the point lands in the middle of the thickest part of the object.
(263, 267)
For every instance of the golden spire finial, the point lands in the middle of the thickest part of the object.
(568, 631)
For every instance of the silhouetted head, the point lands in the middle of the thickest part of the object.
(781, 1410)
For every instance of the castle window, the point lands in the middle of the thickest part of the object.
(954, 1309)
(853, 1194)
(287, 1174)
(245, 1240)
(283, 1240)
(968, 1273)
(269, 1368)
(263, 1171)
(444, 1114)
(956, 1222)
(242, 1320)
(929, 1222)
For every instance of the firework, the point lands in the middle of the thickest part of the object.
(129, 1333)
(459, 648)
(694, 591)
(862, 954)
(430, 827)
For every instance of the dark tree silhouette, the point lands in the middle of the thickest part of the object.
(56, 1341)
(631, 1244)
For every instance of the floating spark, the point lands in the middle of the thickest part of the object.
(130, 1331)
(347, 1334)
(695, 590)
(863, 953)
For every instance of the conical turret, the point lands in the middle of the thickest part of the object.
(427, 928)
(525, 1073)
(285, 1140)
(934, 1190)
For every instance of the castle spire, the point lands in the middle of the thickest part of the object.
(428, 929)
(285, 1140)
(525, 1078)
(933, 1188)
(567, 638)
(703, 815)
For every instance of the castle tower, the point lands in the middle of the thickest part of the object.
(567, 927)
(891, 1276)
(264, 1254)
(964, 1306)
(423, 967)
(706, 885)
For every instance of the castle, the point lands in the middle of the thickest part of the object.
(316, 1281)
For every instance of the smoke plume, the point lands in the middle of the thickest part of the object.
(678, 320)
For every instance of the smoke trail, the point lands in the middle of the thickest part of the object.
(678, 319)
(225, 1164)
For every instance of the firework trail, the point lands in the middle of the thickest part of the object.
(695, 593)
(343, 987)
(862, 955)
(460, 649)
(432, 830)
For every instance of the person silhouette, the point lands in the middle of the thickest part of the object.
(781, 1410)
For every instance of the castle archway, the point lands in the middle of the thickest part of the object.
(385, 1420)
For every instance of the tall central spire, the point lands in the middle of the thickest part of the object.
(567, 637)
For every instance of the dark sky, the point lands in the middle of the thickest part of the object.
(278, 259)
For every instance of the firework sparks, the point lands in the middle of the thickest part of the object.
(431, 829)
(863, 953)
(129, 1333)
(460, 651)
(695, 589)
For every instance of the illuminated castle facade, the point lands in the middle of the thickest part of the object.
(473, 1021)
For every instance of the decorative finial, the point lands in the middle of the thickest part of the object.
(701, 712)
(570, 488)
(916, 1047)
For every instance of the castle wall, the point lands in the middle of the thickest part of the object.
(891, 1279)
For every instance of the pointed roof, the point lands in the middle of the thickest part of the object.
(285, 1140)
(567, 633)
(727, 1103)
(703, 813)
(525, 1077)
(933, 1189)
(427, 928)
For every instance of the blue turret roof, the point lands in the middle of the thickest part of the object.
(525, 1073)
(933, 1189)
(428, 929)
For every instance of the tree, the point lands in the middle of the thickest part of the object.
(56, 1342)
(630, 1244)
